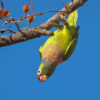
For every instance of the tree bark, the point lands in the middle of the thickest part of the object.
(42, 29)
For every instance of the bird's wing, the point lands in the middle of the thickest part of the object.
(70, 48)
(40, 50)
(72, 20)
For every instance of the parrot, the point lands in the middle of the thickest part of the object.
(58, 48)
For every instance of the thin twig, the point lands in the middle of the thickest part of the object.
(2, 31)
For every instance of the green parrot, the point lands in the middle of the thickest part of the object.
(58, 48)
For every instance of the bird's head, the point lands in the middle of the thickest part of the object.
(45, 70)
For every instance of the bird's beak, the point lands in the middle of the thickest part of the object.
(42, 78)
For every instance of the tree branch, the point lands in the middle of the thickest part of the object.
(42, 29)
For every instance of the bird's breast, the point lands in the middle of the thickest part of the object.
(53, 53)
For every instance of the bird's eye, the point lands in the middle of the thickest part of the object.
(39, 72)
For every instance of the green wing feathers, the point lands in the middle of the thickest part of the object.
(72, 19)
(71, 47)
(40, 50)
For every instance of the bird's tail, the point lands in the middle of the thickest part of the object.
(72, 19)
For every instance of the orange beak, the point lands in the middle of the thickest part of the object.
(42, 78)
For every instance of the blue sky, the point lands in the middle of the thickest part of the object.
(76, 79)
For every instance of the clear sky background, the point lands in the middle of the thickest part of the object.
(76, 79)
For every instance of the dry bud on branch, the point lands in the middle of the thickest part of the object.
(26, 8)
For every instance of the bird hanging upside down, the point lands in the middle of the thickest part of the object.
(58, 48)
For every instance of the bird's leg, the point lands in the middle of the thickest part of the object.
(57, 25)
